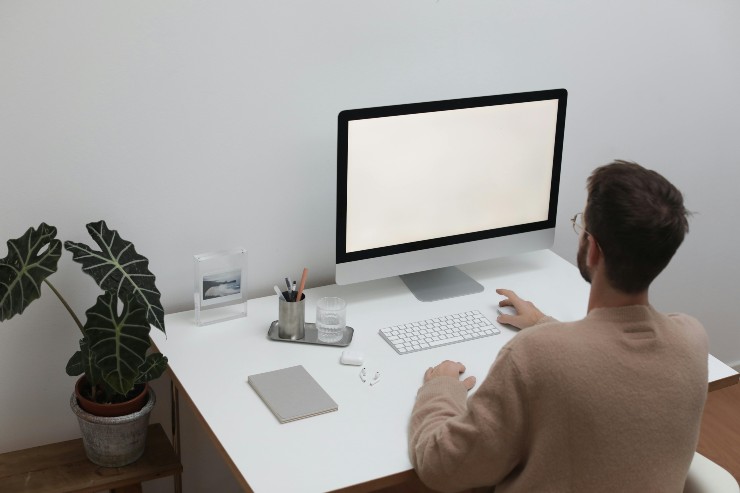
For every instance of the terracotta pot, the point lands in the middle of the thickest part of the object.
(110, 410)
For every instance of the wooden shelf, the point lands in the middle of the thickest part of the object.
(63, 468)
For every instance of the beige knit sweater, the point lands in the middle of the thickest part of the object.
(610, 403)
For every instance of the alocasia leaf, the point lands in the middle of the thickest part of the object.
(31, 259)
(83, 362)
(152, 368)
(118, 268)
(75, 365)
(119, 342)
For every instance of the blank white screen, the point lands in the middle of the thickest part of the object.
(430, 175)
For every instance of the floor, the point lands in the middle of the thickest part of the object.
(719, 440)
(720, 429)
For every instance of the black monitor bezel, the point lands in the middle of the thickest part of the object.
(342, 256)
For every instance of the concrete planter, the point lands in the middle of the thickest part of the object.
(114, 441)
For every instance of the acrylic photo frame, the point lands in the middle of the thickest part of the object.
(220, 288)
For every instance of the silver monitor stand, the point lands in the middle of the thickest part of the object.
(440, 284)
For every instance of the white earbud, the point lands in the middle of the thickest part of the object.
(363, 374)
(376, 378)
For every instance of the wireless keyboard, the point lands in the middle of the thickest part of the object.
(438, 331)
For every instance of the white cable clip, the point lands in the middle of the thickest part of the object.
(363, 374)
(376, 378)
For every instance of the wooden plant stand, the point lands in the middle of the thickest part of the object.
(63, 468)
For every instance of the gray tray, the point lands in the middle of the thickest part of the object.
(311, 335)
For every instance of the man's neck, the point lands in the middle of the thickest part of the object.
(602, 295)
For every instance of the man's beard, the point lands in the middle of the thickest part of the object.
(581, 258)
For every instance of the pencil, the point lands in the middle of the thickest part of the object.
(303, 284)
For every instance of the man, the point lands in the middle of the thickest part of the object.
(611, 402)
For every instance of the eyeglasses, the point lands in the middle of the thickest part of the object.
(578, 226)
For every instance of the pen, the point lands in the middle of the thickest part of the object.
(293, 291)
(279, 293)
(303, 284)
(287, 283)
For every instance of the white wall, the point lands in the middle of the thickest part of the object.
(192, 126)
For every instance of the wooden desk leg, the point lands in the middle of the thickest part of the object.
(175, 418)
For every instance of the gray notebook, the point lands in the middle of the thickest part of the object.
(292, 393)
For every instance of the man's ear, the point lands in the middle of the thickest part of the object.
(595, 254)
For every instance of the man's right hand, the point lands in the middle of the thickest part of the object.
(527, 314)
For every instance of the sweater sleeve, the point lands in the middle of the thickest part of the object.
(457, 443)
(546, 320)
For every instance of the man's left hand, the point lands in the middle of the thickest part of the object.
(449, 368)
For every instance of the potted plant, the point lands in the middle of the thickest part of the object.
(114, 360)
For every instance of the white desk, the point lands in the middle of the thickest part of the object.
(365, 440)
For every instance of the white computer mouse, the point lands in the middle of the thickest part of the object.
(507, 310)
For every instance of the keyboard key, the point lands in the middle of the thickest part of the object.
(446, 341)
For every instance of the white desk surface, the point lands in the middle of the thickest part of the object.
(366, 438)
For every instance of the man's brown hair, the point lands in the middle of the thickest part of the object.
(638, 219)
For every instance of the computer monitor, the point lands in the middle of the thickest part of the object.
(424, 187)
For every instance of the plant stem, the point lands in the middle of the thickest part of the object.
(66, 305)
